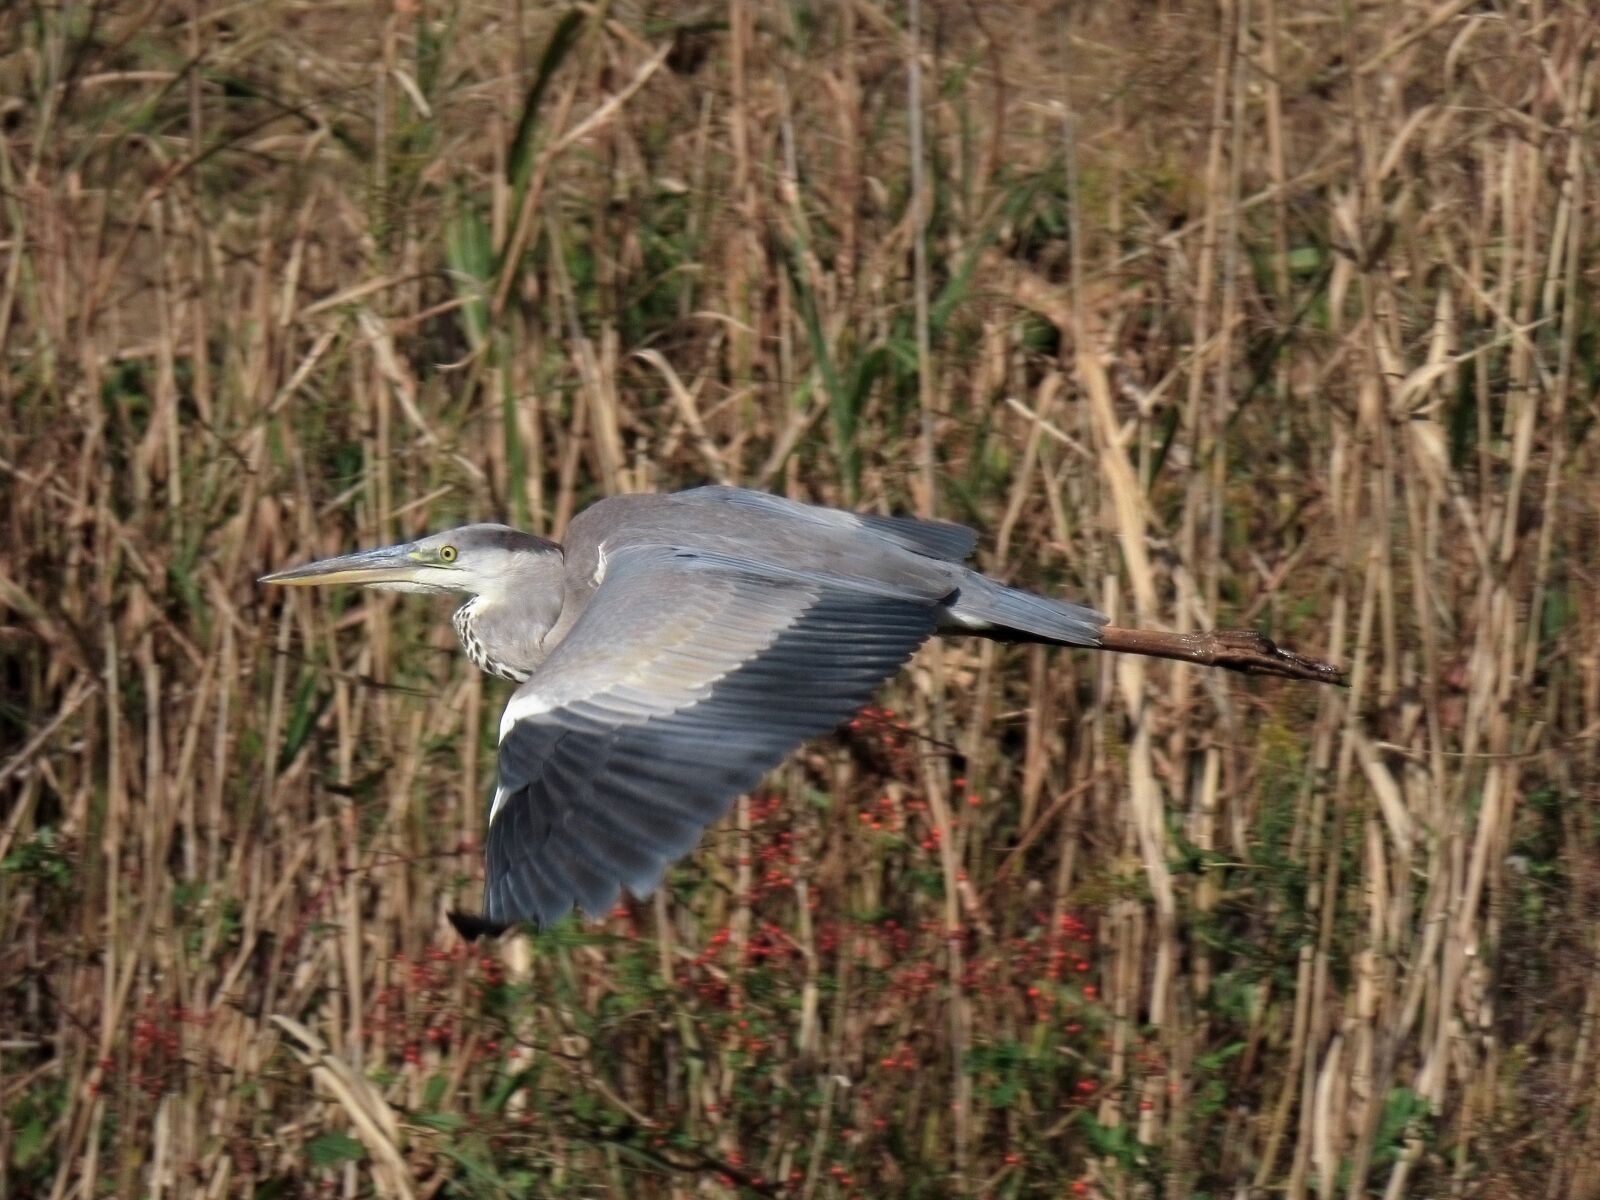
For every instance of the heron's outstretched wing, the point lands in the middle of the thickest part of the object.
(687, 677)
(935, 539)
(932, 539)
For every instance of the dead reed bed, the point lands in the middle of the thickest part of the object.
(1257, 313)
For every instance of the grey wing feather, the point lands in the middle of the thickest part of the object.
(932, 539)
(632, 738)
(936, 539)
(982, 605)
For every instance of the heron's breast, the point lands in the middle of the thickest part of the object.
(483, 656)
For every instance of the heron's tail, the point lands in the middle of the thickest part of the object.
(1009, 614)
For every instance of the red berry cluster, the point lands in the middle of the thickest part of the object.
(423, 1006)
(775, 857)
(153, 1047)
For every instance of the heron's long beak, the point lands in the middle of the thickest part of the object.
(388, 564)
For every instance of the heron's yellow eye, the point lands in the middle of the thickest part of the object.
(447, 553)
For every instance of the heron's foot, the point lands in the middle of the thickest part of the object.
(472, 926)
(1253, 653)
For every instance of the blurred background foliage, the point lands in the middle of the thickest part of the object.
(1254, 313)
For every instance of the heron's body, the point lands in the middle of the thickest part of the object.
(907, 557)
(677, 647)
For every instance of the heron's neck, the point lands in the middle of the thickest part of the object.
(505, 635)
(472, 628)
(504, 626)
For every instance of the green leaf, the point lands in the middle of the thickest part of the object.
(842, 401)
(1404, 1112)
(469, 257)
(959, 286)
(1303, 260)
(304, 710)
(433, 47)
(502, 1092)
(433, 1092)
(1217, 1058)
(1168, 433)
(333, 1149)
(516, 459)
(474, 1160)
(519, 163)
(30, 1142)
(444, 1122)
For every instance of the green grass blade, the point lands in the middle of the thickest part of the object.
(519, 163)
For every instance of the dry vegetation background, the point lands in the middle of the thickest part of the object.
(1268, 313)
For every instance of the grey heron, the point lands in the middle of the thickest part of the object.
(677, 647)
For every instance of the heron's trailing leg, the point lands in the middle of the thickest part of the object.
(1242, 650)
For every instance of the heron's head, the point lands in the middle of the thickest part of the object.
(474, 559)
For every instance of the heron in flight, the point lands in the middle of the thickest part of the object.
(677, 647)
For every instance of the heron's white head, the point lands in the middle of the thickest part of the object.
(474, 560)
